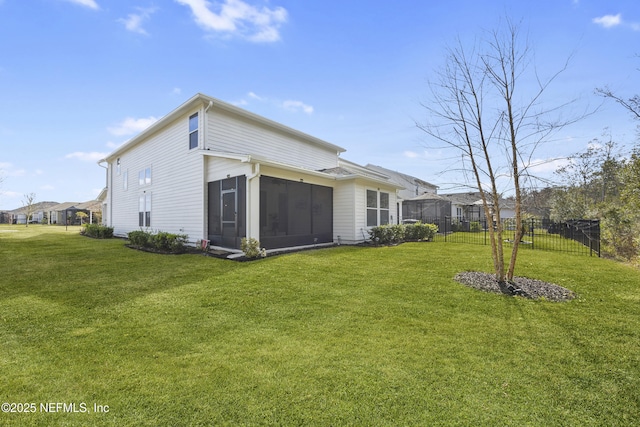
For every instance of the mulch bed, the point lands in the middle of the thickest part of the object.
(521, 286)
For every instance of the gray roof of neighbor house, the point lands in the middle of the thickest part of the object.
(474, 198)
(430, 196)
(465, 199)
(201, 99)
(399, 177)
(91, 205)
(64, 206)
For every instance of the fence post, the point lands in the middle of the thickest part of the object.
(485, 231)
(445, 227)
(533, 232)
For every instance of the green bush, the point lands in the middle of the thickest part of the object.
(474, 226)
(418, 232)
(251, 248)
(392, 234)
(160, 241)
(97, 231)
(139, 238)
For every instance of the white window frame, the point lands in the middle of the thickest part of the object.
(380, 212)
(144, 210)
(194, 131)
(144, 177)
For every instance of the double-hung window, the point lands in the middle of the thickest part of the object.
(193, 131)
(144, 210)
(377, 208)
(144, 177)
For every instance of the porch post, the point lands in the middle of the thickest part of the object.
(253, 203)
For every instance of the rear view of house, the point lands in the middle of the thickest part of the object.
(217, 172)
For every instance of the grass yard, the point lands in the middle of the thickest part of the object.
(339, 336)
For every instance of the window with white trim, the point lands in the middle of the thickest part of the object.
(144, 210)
(193, 131)
(377, 208)
(144, 177)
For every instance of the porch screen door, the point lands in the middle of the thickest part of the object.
(229, 216)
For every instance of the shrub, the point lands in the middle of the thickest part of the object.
(391, 234)
(419, 232)
(386, 234)
(139, 238)
(97, 231)
(160, 241)
(474, 226)
(251, 248)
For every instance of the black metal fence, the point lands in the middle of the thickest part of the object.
(575, 236)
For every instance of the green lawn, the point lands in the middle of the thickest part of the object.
(339, 336)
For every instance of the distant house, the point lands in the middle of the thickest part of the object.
(217, 172)
(19, 216)
(468, 206)
(66, 213)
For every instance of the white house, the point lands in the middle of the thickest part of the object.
(469, 207)
(217, 172)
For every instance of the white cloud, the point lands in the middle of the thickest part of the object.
(47, 187)
(7, 169)
(608, 21)
(113, 145)
(296, 106)
(176, 91)
(235, 17)
(130, 126)
(133, 22)
(254, 96)
(87, 3)
(93, 156)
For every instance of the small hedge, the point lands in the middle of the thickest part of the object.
(398, 233)
(97, 231)
(160, 241)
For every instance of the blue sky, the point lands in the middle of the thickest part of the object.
(80, 77)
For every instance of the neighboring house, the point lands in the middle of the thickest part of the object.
(468, 207)
(216, 172)
(38, 213)
(65, 213)
(413, 187)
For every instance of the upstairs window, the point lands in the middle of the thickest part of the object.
(144, 177)
(193, 131)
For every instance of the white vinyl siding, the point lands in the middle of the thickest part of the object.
(234, 134)
(176, 183)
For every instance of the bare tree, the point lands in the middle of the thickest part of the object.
(632, 104)
(28, 203)
(480, 109)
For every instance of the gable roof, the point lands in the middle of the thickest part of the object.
(200, 100)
